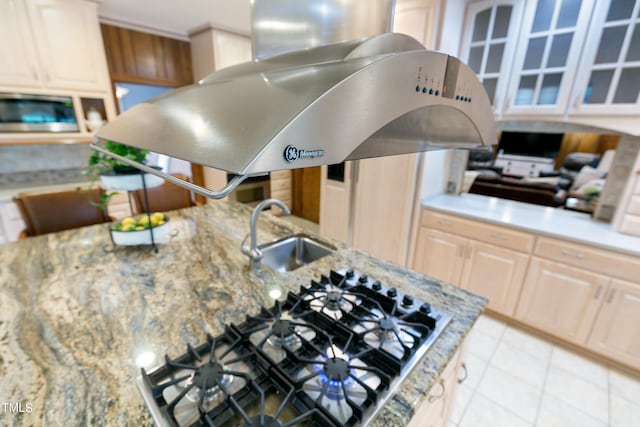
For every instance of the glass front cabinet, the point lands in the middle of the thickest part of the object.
(489, 44)
(555, 57)
(609, 77)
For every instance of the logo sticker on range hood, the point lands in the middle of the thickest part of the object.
(292, 153)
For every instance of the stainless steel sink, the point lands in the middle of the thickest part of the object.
(293, 252)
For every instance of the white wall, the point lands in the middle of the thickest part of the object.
(435, 172)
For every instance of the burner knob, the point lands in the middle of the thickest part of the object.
(363, 279)
(377, 286)
(425, 308)
(407, 300)
(324, 280)
(392, 293)
(349, 274)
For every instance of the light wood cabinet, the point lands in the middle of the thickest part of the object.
(616, 332)
(384, 200)
(561, 300)
(435, 411)
(18, 63)
(51, 44)
(69, 44)
(495, 273)
(439, 255)
(581, 294)
(479, 257)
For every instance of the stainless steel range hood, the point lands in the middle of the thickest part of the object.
(376, 96)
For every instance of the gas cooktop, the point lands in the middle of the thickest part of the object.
(330, 355)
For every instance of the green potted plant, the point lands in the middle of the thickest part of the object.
(116, 175)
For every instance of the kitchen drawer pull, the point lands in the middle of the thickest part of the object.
(445, 223)
(598, 292)
(611, 295)
(433, 398)
(572, 254)
(466, 373)
(499, 236)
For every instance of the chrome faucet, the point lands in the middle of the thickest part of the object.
(254, 254)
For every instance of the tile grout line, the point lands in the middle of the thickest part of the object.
(576, 407)
(484, 371)
(544, 383)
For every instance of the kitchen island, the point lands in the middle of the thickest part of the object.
(78, 315)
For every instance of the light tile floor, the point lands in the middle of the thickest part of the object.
(518, 379)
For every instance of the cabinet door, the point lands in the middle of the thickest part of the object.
(417, 18)
(434, 412)
(69, 44)
(439, 255)
(495, 273)
(546, 60)
(561, 300)
(230, 49)
(18, 65)
(489, 42)
(616, 333)
(384, 200)
(609, 81)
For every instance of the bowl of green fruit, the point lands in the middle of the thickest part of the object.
(136, 230)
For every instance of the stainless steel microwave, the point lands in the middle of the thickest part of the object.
(37, 113)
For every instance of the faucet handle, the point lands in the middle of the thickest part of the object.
(244, 248)
(255, 254)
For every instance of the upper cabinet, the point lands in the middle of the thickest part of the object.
(52, 44)
(18, 64)
(562, 58)
(489, 45)
(609, 80)
(546, 61)
(417, 18)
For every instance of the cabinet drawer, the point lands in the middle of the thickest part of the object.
(499, 236)
(609, 263)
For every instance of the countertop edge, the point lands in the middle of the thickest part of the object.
(607, 239)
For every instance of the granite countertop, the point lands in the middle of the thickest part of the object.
(76, 312)
(553, 222)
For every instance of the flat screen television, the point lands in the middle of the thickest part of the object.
(545, 145)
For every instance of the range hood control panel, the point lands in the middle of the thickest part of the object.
(451, 89)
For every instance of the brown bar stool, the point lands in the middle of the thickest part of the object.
(48, 212)
(163, 198)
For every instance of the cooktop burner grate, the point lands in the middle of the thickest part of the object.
(329, 356)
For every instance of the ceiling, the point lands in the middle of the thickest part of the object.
(178, 17)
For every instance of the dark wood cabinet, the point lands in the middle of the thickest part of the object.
(138, 57)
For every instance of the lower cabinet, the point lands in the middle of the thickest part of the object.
(435, 410)
(491, 271)
(439, 255)
(581, 294)
(561, 300)
(616, 332)
(495, 273)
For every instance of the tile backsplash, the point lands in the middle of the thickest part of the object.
(32, 165)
